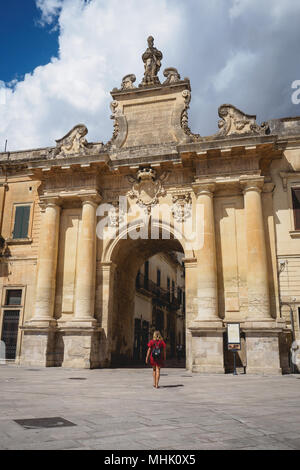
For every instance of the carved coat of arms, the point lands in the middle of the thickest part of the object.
(147, 187)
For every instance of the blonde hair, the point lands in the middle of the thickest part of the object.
(157, 335)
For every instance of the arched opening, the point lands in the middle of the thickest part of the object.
(146, 292)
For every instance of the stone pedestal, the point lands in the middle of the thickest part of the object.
(263, 351)
(38, 345)
(206, 343)
(80, 343)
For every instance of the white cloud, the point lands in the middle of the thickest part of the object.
(238, 51)
(242, 60)
(50, 9)
(99, 43)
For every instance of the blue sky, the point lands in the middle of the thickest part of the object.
(64, 57)
(25, 43)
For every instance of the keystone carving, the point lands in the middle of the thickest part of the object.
(147, 187)
(236, 122)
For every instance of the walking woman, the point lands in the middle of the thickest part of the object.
(157, 353)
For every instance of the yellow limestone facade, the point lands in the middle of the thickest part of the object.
(225, 201)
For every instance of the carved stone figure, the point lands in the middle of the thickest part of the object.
(172, 76)
(146, 187)
(73, 142)
(128, 81)
(235, 121)
(152, 62)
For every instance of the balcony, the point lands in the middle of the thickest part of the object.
(159, 295)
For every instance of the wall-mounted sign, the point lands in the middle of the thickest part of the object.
(233, 336)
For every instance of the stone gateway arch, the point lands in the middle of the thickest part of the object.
(158, 186)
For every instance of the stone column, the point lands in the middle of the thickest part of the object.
(207, 266)
(47, 262)
(86, 263)
(257, 268)
(39, 331)
(205, 331)
(106, 297)
(81, 334)
(262, 331)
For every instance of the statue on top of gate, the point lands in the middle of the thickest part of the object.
(152, 62)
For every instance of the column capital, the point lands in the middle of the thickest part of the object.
(204, 188)
(51, 201)
(93, 199)
(268, 187)
(254, 183)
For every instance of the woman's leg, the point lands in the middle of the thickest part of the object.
(154, 376)
(157, 376)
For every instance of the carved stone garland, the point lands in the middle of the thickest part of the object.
(182, 206)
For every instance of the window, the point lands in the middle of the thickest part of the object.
(173, 290)
(168, 284)
(296, 207)
(9, 335)
(179, 295)
(158, 277)
(146, 278)
(21, 225)
(13, 297)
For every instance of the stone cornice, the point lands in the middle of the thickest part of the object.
(146, 90)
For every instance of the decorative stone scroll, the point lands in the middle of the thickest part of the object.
(236, 122)
(73, 142)
(184, 117)
(128, 82)
(172, 76)
(147, 187)
(182, 206)
(120, 125)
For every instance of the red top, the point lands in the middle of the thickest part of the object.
(162, 345)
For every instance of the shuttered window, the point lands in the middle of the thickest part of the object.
(21, 225)
(13, 297)
(296, 207)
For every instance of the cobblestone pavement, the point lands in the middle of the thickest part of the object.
(118, 409)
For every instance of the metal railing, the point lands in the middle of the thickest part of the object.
(163, 296)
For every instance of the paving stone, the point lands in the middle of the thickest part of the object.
(118, 409)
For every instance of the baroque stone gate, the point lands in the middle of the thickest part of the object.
(78, 286)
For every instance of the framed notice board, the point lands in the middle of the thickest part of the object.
(233, 336)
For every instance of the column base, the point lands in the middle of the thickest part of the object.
(206, 347)
(38, 343)
(78, 343)
(208, 369)
(263, 352)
